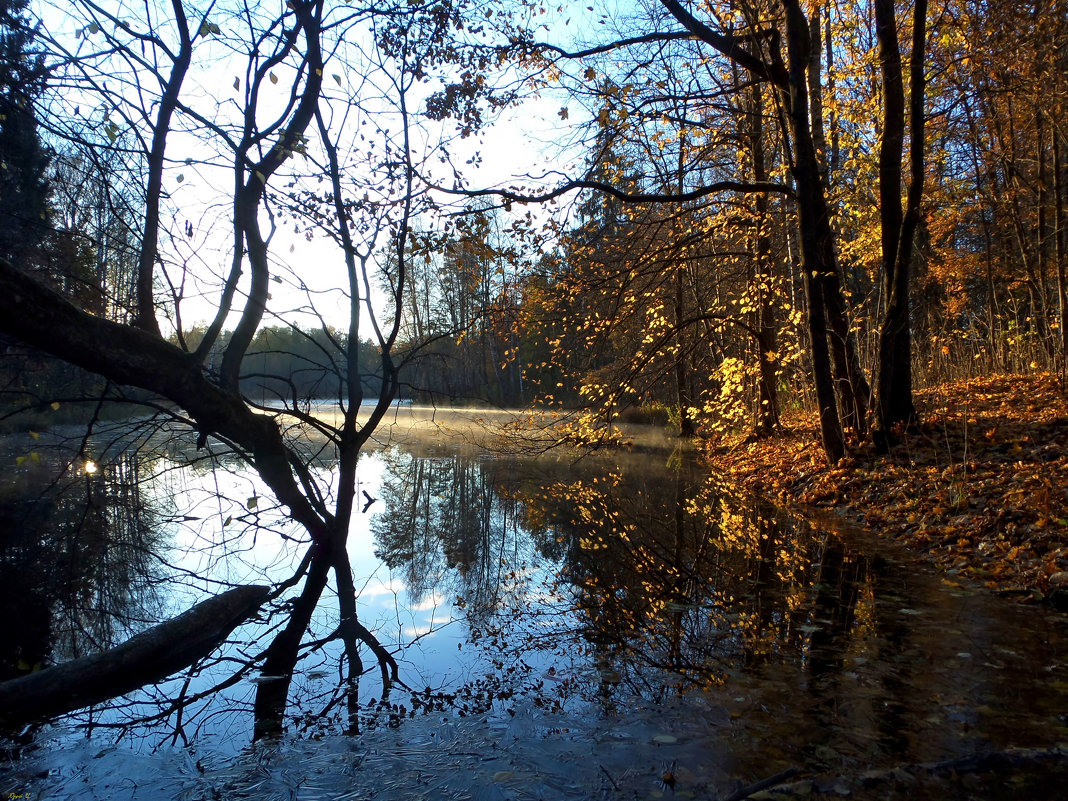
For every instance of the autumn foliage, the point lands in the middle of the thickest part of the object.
(978, 487)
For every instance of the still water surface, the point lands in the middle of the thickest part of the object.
(613, 626)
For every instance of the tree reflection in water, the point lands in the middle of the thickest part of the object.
(669, 582)
(599, 587)
(624, 583)
(77, 567)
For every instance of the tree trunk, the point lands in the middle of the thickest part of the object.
(894, 379)
(817, 238)
(145, 658)
(283, 652)
(766, 419)
(850, 383)
(687, 428)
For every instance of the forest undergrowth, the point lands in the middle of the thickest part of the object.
(979, 486)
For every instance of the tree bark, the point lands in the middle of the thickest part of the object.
(766, 419)
(850, 383)
(147, 657)
(817, 238)
(894, 378)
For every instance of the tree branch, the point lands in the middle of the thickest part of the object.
(649, 38)
(729, 46)
(39, 316)
(249, 196)
(628, 197)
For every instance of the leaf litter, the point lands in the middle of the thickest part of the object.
(979, 486)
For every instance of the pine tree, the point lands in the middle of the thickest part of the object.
(24, 161)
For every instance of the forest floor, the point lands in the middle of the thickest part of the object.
(980, 486)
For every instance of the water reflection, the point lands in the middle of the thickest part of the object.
(628, 593)
(663, 570)
(77, 571)
(640, 584)
(450, 526)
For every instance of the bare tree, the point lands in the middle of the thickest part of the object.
(320, 95)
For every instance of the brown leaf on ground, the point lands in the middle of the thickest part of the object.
(980, 485)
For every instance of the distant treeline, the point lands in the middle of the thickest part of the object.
(287, 363)
(284, 364)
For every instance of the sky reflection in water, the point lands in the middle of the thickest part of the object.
(623, 608)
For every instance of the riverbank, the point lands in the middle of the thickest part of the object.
(980, 487)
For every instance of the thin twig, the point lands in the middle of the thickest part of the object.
(763, 784)
(609, 775)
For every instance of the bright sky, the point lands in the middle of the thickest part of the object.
(530, 140)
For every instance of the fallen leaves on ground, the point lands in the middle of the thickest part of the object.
(980, 485)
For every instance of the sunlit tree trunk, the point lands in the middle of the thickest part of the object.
(817, 238)
(818, 260)
(850, 383)
(766, 419)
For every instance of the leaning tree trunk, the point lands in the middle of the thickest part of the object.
(144, 658)
(817, 237)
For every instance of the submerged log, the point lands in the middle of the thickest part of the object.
(145, 658)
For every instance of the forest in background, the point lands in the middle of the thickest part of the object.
(660, 294)
(674, 280)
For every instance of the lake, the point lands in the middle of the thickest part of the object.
(615, 624)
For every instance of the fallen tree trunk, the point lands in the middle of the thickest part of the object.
(145, 658)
